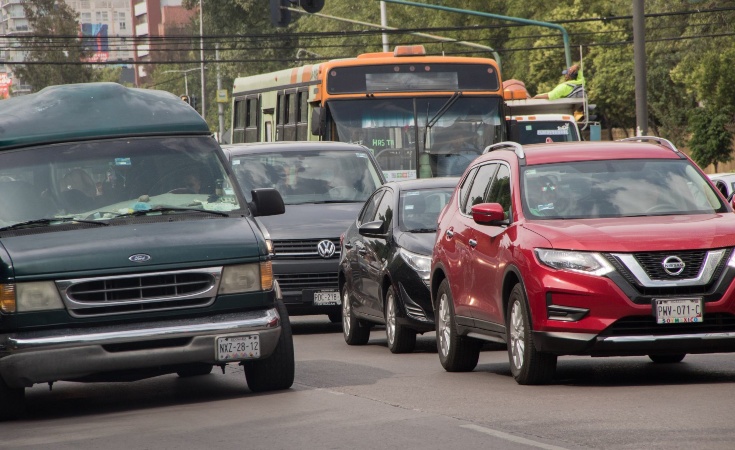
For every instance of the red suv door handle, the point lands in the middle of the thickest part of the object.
(473, 243)
(450, 233)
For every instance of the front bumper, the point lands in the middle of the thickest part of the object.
(27, 358)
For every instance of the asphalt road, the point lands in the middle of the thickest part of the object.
(367, 398)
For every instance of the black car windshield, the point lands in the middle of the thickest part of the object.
(419, 209)
(309, 176)
(105, 179)
(617, 188)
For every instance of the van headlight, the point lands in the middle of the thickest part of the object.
(583, 262)
(26, 297)
(246, 278)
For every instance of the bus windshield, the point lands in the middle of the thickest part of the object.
(446, 132)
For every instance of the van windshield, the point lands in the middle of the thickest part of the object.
(316, 176)
(104, 179)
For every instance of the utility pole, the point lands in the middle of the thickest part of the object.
(384, 24)
(220, 105)
(639, 59)
(201, 55)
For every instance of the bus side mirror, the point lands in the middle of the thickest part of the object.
(318, 121)
(514, 133)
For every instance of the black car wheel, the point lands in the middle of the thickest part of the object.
(667, 359)
(456, 353)
(355, 331)
(277, 371)
(400, 338)
(527, 365)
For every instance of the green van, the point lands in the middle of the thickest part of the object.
(126, 249)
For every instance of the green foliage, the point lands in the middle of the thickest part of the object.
(60, 56)
(711, 141)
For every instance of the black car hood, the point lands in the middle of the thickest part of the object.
(311, 221)
(103, 250)
(421, 243)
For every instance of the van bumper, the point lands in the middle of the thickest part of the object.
(33, 357)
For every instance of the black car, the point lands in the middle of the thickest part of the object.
(324, 185)
(384, 267)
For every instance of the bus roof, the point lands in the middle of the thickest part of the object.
(76, 112)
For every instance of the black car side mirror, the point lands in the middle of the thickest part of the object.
(372, 229)
(267, 202)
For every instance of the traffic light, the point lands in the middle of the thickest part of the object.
(280, 16)
(185, 98)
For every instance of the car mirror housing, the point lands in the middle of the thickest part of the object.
(267, 202)
(375, 228)
(488, 213)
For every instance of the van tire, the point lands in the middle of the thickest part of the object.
(277, 371)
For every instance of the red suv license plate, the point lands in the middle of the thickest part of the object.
(679, 310)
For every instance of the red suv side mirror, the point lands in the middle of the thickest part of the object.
(486, 213)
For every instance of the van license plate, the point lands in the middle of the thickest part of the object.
(325, 298)
(237, 348)
(680, 310)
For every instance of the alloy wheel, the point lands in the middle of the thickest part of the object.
(346, 313)
(517, 335)
(443, 326)
(390, 315)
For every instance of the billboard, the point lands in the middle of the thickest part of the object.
(94, 41)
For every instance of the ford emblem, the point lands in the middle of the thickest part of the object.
(140, 257)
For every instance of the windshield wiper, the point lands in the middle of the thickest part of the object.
(48, 221)
(422, 230)
(169, 209)
(445, 107)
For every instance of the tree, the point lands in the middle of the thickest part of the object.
(55, 52)
(711, 141)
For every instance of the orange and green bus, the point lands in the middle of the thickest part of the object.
(422, 116)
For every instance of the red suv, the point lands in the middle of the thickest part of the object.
(585, 248)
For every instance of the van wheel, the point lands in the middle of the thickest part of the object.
(354, 330)
(527, 365)
(456, 353)
(277, 371)
(667, 359)
(12, 401)
(194, 370)
(400, 339)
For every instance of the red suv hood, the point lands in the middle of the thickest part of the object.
(636, 234)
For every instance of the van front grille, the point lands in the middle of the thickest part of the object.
(144, 292)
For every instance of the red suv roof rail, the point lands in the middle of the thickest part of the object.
(517, 148)
(656, 139)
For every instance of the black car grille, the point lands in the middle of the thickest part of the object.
(140, 293)
(301, 281)
(302, 248)
(646, 325)
(652, 263)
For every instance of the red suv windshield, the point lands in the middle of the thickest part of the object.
(616, 188)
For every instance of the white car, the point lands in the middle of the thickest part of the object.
(725, 182)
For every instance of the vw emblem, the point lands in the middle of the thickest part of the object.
(140, 257)
(325, 248)
(673, 265)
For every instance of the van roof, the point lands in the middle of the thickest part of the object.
(77, 112)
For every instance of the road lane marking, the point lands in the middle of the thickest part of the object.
(512, 438)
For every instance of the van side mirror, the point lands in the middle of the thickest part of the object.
(318, 121)
(267, 202)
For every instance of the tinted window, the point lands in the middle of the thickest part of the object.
(464, 188)
(368, 212)
(500, 190)
(385, 210)
(479, 187)
(419, 209)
